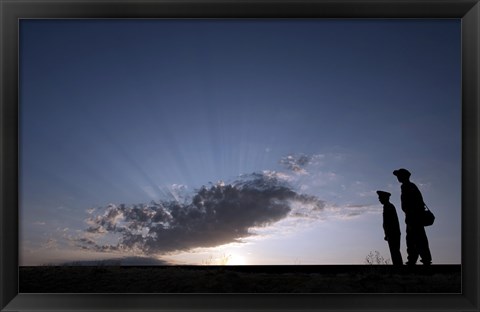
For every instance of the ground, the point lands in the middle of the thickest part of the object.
(241, 279)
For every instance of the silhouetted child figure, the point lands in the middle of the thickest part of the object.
(391, 227)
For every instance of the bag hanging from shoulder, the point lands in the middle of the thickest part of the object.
(428, 217)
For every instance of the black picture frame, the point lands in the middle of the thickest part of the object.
(13, 10)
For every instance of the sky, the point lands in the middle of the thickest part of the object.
(235, 141)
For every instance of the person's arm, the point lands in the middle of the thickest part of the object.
(420, 197)
(386, 222)
(385, 231)
(404, 198)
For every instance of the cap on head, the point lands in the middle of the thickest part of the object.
(402, 173)
(383, 194)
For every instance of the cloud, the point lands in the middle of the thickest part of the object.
(252, 207)
(301, 164)
(216, 215)
(296, 162)
(90, 210)
(50, 244)
(350, 211)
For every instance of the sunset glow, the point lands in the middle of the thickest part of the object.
(236, 260)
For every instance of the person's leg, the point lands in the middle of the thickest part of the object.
(422, 245)
(394, 244)
(412, 251)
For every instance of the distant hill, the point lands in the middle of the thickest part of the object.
(124, 261)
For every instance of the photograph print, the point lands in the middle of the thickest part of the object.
(240, 156)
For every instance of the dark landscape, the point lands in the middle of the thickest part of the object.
(241, 279)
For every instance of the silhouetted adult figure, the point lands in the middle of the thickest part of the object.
(413, 206)
(391, 227)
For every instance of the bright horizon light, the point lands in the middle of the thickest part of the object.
(235, 259)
